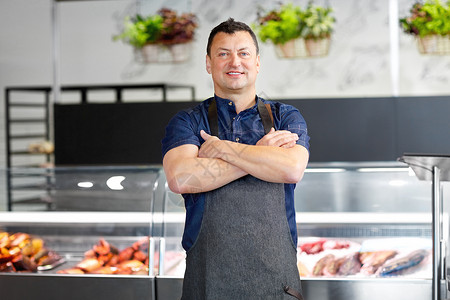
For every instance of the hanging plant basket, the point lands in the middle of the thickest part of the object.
(301, 48)
(165, 37)
(159, 53)
(434, 44)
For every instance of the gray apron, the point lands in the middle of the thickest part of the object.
(244, 249)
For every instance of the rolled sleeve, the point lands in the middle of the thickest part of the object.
(180, 131)
(293, 121)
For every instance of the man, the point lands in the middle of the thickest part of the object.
(236, 159)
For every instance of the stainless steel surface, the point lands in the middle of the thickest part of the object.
(437, 230)
(169, 288)
(423, 164)
(57, 287)
(362, 289)
(435, 168)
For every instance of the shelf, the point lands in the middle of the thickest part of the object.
(27, 120)
(33, 166)
(31, 187)
(33, 200)
(23, 152)
(43, 105)
(29, 136)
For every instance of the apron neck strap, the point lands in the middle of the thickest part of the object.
(264, 110)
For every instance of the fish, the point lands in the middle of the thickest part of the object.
(321, 264)
(394, 267)
(372, 261)
(350, 266)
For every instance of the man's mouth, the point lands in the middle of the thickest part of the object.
(234, 73)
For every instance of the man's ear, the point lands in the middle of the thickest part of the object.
(258, 63)
(208, 64)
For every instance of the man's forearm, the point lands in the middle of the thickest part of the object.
(274, 164)
(195, 175)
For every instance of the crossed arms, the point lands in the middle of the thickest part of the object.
(275, 158)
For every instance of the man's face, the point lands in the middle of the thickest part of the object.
(233, 64)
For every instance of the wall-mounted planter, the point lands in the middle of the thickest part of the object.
(434, 44)
(157, 53)
(301, 48)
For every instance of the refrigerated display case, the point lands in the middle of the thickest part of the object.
(369, 206)
(354, 209)
(99, 226)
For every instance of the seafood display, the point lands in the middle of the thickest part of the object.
(397, 266)
(322, 245)
(317, 257)
(340, 258)
(322, 264)
(350, 266)
(104, 258)
(372, 261)
(21, 252)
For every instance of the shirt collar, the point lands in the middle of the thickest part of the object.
(222, 103)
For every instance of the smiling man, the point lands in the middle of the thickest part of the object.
(236, 158)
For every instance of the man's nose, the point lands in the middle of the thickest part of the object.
(235, 60)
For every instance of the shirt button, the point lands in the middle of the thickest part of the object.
(237, 139)
(234, 118)
(230, 103)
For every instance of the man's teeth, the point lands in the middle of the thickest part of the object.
(234, 73)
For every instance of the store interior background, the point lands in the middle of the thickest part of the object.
(359, 64)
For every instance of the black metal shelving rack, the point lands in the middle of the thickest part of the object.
(12, 121)
(17, 170)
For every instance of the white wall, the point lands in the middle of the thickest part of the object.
(358, 64)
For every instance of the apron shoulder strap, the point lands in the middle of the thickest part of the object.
(264, 110)
(212, 118)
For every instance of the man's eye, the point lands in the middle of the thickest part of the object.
(244, 54)
(222, 54)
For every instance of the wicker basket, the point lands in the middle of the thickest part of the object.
(175, 53)
(434, 44)
(301, 48)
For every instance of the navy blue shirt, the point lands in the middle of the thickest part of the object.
(245, 127)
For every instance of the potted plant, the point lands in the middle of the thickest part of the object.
(163, 37)
(297, 32)
(318, 24)
(429, 23)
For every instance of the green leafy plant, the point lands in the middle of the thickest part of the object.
(166, 28)
(317, 22)
(279, 26)
(429, 18)
(290, 22)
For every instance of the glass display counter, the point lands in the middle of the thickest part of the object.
(93, 239)
(371, 221)
(375, 214)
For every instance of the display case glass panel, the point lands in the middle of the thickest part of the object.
(371, 221)
(94, 229)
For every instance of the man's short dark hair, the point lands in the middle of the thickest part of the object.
(230, 26)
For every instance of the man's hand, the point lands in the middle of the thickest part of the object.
(280, 161)
(280, 138)
(210, 148)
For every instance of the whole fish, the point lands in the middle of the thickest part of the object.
(350, 266)
(395, 266)
(372, 261)
(321, 264)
